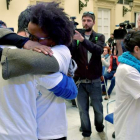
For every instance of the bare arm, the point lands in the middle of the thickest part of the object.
(119, 47)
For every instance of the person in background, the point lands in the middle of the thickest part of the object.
(127, 112)
(110, 74)
(2, 24)
(86, 50)
(111, 40)
(23, 21)
(138, 22)
(105, 58)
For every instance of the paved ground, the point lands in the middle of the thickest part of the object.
(74, 121)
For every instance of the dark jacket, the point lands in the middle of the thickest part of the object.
(93, 69)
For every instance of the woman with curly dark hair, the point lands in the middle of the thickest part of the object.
(53, 23)
(53, 28)
(127, 112)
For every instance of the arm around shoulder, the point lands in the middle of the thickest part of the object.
(4, 32)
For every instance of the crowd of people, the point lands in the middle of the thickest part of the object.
(47, 63)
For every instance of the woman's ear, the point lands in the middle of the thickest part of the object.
(136, 49)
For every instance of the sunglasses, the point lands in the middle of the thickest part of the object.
(88, 13)
(35, 38)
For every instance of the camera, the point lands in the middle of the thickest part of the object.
(74, 22)
(75, 25)
(123, 28)
(127, 25)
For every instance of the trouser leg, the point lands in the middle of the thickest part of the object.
(108, 76)
(73, 102)
(103, 88)
(96, 99)
(83, 105)
(111, 85)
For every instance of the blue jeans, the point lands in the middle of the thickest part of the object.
(92, 90)
(110, 76)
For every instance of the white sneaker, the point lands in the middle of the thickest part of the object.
(86, 138)
(103, 135)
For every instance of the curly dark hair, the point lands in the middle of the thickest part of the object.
(131, 40)
(24, 19)
(53, 21)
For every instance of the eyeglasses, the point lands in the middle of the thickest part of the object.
(88, 13)
(35, 38)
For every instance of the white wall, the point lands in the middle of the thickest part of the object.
(72, 9)
(119, 14)
(10, 17)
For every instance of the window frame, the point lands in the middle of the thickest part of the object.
(124, 2)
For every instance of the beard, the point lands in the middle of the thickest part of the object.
(88, 30)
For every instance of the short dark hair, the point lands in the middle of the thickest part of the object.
(53, 21)
(131, 40)
(2, 23)
(24, 19)
(89, 14)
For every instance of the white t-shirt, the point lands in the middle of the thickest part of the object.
(18, 105)
(25, 100)
(127, 108)
(51, 110)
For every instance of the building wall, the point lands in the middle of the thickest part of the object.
(10, 17)
(119, 14)
(72, 9)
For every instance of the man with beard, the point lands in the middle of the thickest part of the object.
(86, 50)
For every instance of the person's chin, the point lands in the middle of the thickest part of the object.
(88, 30)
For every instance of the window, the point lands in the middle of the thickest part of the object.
(123, 2)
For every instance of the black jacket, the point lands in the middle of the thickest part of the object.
(93, 69)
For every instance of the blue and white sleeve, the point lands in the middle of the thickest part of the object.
(66, 88)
